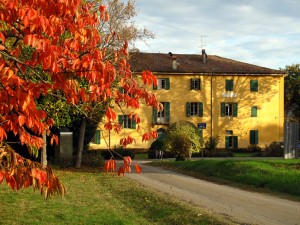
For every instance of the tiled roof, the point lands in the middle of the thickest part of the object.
(192, 63)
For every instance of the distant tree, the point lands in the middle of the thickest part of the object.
(182, 138)
(292, 90)
(118, 28)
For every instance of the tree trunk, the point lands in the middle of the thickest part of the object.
(80, 143)
(44, 151)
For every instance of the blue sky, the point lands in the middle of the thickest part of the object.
(260, 32)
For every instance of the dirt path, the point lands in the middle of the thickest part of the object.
(244, 206)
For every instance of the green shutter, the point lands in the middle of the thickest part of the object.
(235, 142)
(222, 109)
(201, 109)
(120, 119)
(235, 109)
(167, 108)
(253, 85)
(167, 83)
(253, 137)
(133, 123)
(97, 137)
(226, 141)
(229, 85)
(154, 116)
(191, 84)
(188, 109)
(253, 111)
(199, 84)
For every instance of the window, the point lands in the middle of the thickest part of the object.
(127, 122)
(195, 84)
(229, 85)
(253, 85)
(229, 132)
(253, 137)
(162, 83)
(97, 137)
(229, 109)
(231, 142)
(194, 109)
(122, 91)
(162, 117)
(254, 111)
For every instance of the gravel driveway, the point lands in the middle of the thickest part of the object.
(244, 206)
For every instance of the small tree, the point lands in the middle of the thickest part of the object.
(211, 143)
(182, 138)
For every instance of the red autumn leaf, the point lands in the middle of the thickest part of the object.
(110, 114)
(10, 180)
(138, 169)
(21, 120)
(31, 14)
(110, 165)
(121, 171)
(2, 37)
(3, 134)
(2, 175)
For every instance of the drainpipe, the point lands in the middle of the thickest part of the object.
(211, 108)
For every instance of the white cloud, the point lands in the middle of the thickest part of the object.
(261, 32)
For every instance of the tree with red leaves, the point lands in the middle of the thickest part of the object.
(54, 48)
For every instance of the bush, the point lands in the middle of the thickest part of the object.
(273, 150)
(92, 159)
(182, 139)
(158, 144)
(254, 148)
(211, 143)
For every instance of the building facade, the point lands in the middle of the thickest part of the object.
(242, 104)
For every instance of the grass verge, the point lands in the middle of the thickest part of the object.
(279, 176)
(97, 198)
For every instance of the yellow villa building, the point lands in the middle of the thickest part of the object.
(241, 103)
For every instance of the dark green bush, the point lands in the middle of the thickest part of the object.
(92, 159)
(273, 150)
(254, 148)
(158, 144)
(211, 143)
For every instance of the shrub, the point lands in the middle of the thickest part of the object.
(274, 149)
(211, 143)
(182, 139)
(92, 159)
(254, 148)
(158, 144)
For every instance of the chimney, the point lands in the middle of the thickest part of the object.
(174, 62)
(204, 56)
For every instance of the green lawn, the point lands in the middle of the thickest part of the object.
(97, 198)
(281, 176)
